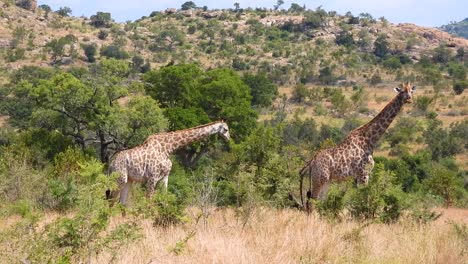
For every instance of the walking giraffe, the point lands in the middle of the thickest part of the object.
(353, 157)
(150, 161)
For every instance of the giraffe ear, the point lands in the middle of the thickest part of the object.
(397, 89)
(413, 88)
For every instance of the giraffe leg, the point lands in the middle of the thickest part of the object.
(113, 195)
(150, 187)
(313, 195)
(363, 177)
(124, 192)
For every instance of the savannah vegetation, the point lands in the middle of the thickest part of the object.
(287, 89)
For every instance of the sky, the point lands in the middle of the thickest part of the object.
(430, 13)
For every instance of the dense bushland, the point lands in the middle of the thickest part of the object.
(64, 124)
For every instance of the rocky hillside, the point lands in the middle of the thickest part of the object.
(289, 45)
(457, 28)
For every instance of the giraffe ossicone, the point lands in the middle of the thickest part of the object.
(150, 162)
(353, 156)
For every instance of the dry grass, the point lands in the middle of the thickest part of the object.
(287, 236)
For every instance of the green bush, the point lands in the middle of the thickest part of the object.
(332, 206)
(113, 51)
(459, 86)
(392, 63)
(380, 199)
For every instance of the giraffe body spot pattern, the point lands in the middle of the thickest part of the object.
(353, 157)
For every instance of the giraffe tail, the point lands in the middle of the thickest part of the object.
(301, 175)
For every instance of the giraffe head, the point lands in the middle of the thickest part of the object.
(223, 130)
(406, 91)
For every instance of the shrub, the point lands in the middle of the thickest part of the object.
(332, 206)
(392, 63)
(445, 183)
(380, 199)
(102, 35)
(345, 38)
(375, 79)
(113, 51)
(90, 51)
(263, 91)
(300, 93)
(101, 19)
(64, 11)
(459, 86)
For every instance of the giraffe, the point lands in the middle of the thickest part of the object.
(353, 157)
(150, 163)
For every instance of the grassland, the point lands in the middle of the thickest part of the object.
(289, 236)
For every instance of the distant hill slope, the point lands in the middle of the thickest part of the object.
(457, 28)
(288, 45)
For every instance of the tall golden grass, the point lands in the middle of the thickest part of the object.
(288, 236)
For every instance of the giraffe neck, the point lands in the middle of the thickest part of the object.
(374, 130)
(177, 139)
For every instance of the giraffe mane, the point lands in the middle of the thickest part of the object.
(190, 128)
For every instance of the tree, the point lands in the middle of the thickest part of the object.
(345, 38)
(278, 4)
(170, 37)
(263, 91)
(86, 109)
(188, 5)
(101, 19)
(459, 86)
(56, 46)
(314, 19)
(192, 96)
(236, 5)
(460, 53)
(27, 4)
(381, 46)
(441, 55)
(46, 9)
(113, 51)
(64, 11)
(90, 51)
(295, 8)
(444, 182)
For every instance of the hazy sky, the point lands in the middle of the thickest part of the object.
(420, 12)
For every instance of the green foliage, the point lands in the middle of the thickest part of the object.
(423, 102)
(101, 19)
(15, 54)
(262, 90)
(113, 51)
(46, 9)
(439, 142)
(315, 19)
(332, 206)
(326, 75)
(85, 108)
(445, 183)
(441, 54)
(460, 86)
(457, 28)
(381, 46)
(380, 199)
(188, 5)
(57, 46)
(392, 63)
(19, 178)
(102, 35)
(164, 209)
(300, 93)
(90, 51)
(219, 93)
(345, 38)
(64, 11)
